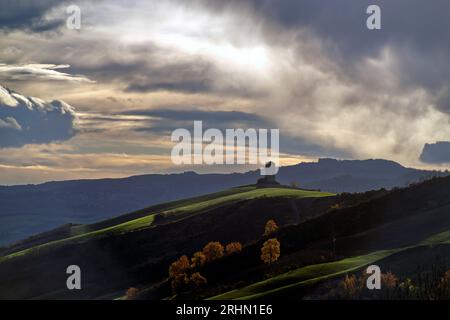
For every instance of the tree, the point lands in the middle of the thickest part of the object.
(233, 247)
(270, 228)
(180, 283)
(198, 260)
(270, 251)
(213, 251)
(351, 286)
(179, 267)
(197, 280)
(132, 293)
(388, 280)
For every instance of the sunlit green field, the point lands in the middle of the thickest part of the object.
(310, 275)
(190, 206)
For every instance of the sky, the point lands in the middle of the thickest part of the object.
(102, 101)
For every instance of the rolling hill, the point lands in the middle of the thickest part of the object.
(159, 227)
(53, 204)
(135, 249)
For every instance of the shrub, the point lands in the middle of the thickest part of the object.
(213, 251)
(270, 251)
(408, 288)
(350, 286)
(388, 280)
(132, 293)
(233, 247)
(270, 228)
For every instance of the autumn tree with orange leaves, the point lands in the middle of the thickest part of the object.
(179, 267)
(132, 293)
(213, 251)
(198, 260)
(270, 251)
(233, 247)
(270, 228)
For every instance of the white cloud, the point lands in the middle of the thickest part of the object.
(38, 71)
(9, 123)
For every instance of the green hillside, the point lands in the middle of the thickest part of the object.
(310, 275)
(322, 237)
(173, 209)
(303, 277)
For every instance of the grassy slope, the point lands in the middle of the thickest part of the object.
(189, 206)
(310, 275)
(441, 238)
(303, 276)
(267, 192)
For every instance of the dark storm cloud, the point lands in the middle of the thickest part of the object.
(169, 119)
(190, 74)
(422, 23)
(297, 145)
(416, 30)
(43, 26)
(436, 153)
(151, 75)
(29, 15)
(28, 120)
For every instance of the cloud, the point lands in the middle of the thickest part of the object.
(9, 123)
(186, 87)
(30, 15)
(29, 120)
(311, 67)
(150, 68)
(202, 115)
(436, 153)
(40, 72)
(414, 30)
(164, 121)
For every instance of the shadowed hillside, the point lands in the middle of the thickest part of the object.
(53, 204)
(118, 252)
(137, 249)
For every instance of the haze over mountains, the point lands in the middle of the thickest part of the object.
(29, 209)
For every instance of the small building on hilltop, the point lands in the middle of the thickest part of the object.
(268, 180)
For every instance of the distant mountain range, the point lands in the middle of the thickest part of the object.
(29, 209)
